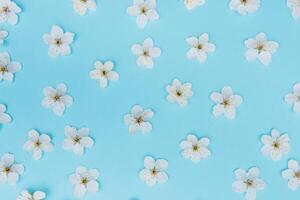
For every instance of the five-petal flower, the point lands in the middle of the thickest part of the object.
(57, 99)
(194, 148)
(294, 98)
(9, 170)
(104, 73)
(59, 41)
(199, 47)
(154, 171)
(38, 143)
(77, 139)
(8, 12)
(248, 182)
(82, 6)
(138, 119)
(8, 67)
(191, 4)
(179, 92)
(37, 195)
(226, 103)
(292, 174)
(276, 145)
(244, 7)
(84, 180)
(145, 53)
(143, 10)
(260, 48)
(4, 117)
(294, 5)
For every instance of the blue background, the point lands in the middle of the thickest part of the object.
(108, 34)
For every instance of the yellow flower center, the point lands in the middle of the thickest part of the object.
(56, 98)
(178, 93)
(139, 120)
(58, 42)
(84, 181)
(7, 170)
(297, 174)
(226, 103)
(144, 9)
(76, 139)
(37, 143)
(195, 148)
(154, 172)
(199, 46)
(276, 145)
(5, 9)
(260, 47)
(3, 69)
(249, 183)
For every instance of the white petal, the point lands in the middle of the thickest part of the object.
(5, 118)
(93, 186)
(149, 162)
(12, 178)
(161, 164)
(265, 57)
(141, 20)
(38, 195)
(56, 31)
(79, 191)
(87, 142)
(251, 54)
(152, 14)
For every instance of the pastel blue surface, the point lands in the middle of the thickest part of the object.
(107, 34)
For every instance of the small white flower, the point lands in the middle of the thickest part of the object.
(248, 182)
(294, 98)
(84, 180)
(77, 140)
(3, 35)
(37, 195)
(57, 99)
(244, 7)
(191, 4)
(154, 171)
(59, 42)
(8, 12)
(138, 119)
(179, 92)
(144, 11)
(226, 103)
(199, 47)
(194, 148)
(4, 117)
(145, 53)
(261, 49)
(38, 143)
(292, 174)
(82, 6)
(294, 5)
(104, 73)
(8, 67)
(9, 170)
(275, 145)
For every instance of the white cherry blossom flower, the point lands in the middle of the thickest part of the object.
(294, 5)
(248, 182)
(8, 12)
(38, 143)
(199, 47)
(179, 92)
(275, 145)
(57, 99)
(37, 195)
(3, 35)
(104, 73)
(82, 6)
(260, 48)
(4, 117)
(9, 170)
(144, 11)
(59, 41)
(294, 98)
(145, 53)
(84, 180)
(191, 4)
(77, 140)
(226, 103)
(154, 171)
(292, 174)
(8, 67)
(244, 7)
(138, 119)
(194, 148)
